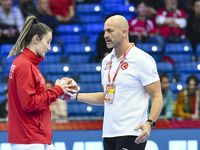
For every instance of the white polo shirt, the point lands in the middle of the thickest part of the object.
(129, 107)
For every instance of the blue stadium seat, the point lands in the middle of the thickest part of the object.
(79, 48)
(72, 38)
(92, 18)
(175, 96)
(184, 76)
(177, 87)
(165, 67)
(157, 57)
(53, 78)
(114, 2)
(198, 49)
(77, 109)
(152, 48)
(5, 49)
(92, 78)
(89, 8)
(1, 70)
(90, 87)
(179, 58)
(89, 68)
(55, 49)
(55, 69)
(178, 48)
(7, 64)
(93, 38)
(79, 58)
(188, 67)
(51, 59)
(93, 28)
(3, 86)
(121, 8)
(69, 29)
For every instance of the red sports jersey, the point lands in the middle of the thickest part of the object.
(29, 117)
(60, 7)
(165, 30)
(136, 25)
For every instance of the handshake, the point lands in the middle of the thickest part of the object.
(69, 87)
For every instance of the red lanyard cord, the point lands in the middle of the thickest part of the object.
(124, 56)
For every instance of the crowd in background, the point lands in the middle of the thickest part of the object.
(157, 21)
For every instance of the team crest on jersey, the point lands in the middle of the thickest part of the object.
(124, 66)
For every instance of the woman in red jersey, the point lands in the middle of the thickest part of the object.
(29, 118)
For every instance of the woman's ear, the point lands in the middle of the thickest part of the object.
(36, 39)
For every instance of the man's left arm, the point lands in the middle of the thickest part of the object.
(154, 90)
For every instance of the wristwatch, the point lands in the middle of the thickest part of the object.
(153, 123)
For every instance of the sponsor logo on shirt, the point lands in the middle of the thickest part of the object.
(12, 69)
(124, 66)
(154, 72)
(107, 65)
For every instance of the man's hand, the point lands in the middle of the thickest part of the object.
(146, 128)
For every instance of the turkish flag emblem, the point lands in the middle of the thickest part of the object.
(124, 66)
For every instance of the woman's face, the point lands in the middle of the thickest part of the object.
(43, 46)
(192, 86)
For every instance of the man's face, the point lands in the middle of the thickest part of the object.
(43, 5)
(171, 5)
(113, 33)
(6, 4)
(165, 84)
(141, 9)
(196, 8)
(192, 86)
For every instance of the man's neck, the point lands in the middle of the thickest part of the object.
(121, 49)
(141, 18)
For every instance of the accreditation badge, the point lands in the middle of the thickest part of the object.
(109, 93)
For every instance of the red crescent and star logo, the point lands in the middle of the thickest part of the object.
(124, 66)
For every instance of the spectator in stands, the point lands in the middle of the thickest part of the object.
(101, 48)
(186, 5)
(63, 10)
(152, 6)
(193, 24)
(59, 107)
(141, 28)
(167, 110)
(44, 14)
(188, 104)
(172, 22)
(27, 7)
(4, 106)
(11, 22)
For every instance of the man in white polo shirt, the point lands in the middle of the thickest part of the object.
(129, 77)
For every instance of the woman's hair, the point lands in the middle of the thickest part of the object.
(30, 28)
(192, 77)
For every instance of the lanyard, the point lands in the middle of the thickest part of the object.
(113, 80)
